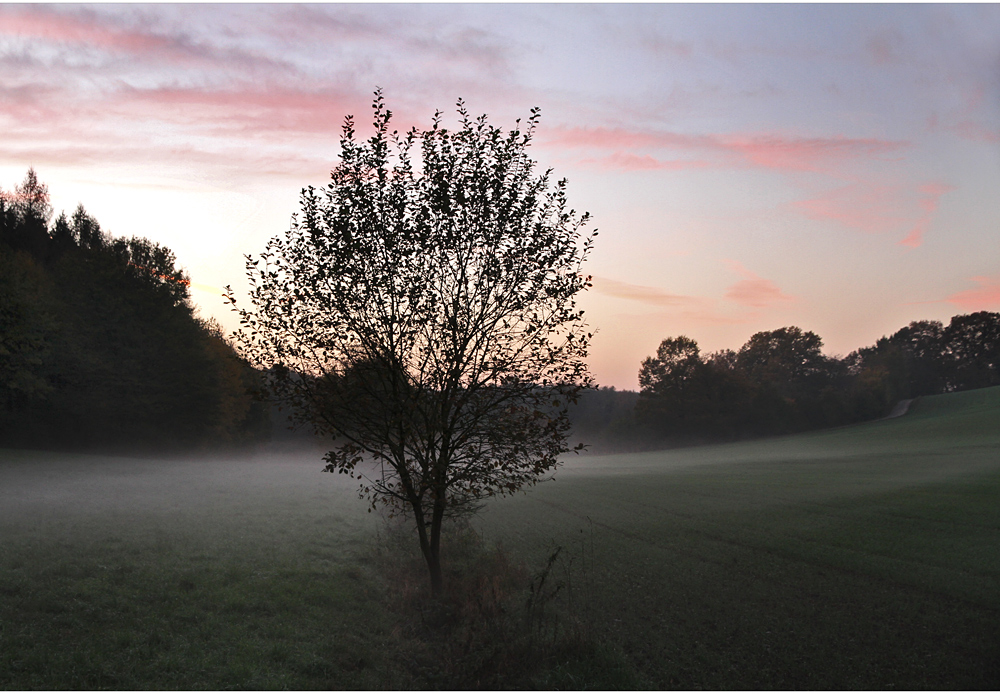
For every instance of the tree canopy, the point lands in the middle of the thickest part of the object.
(421, 312)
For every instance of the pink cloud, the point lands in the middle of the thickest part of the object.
(634, 162)
(734, 150)
(931, 195)
(31, 104)
(753, 290)
(238, 99)
(145, 42)
(687, 308)
(43, 128)
(870, 208)
(232, 162)
(976, 132)
(638, 292)
(756, 293)
(440, 47)
(619, 138)
(985, 297)
(250, 111)
(916, 235)
(805, 154)
(85, 28)
(44, 24)
(879, 209)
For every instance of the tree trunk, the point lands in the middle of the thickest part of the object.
(430, 547)
(434, 566)
(434, 556)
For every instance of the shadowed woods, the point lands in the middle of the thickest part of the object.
(100, 347)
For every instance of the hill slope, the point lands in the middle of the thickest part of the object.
(863, 557)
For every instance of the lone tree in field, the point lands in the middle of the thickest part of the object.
(421, 312)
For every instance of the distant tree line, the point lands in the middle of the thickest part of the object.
(100, 348)
(99, 344)
(779, 382)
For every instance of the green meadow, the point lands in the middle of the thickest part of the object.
(866, 557)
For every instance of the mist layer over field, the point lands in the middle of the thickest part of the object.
(142, 573)
(246, 497)
(863, 557)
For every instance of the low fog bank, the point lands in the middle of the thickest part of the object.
(282, 484)
(279, 485)
(943, 438)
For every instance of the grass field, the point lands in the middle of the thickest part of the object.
(863, 557)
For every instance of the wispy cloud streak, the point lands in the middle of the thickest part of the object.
(879, 209)
(753, 290)
(695, 309)
(624, 161)
(768, 151)
(647, 295)
(930, 197)
(33, 22)
(873, 209)
(985, 297)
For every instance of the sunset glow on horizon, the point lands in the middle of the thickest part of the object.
(749, 167)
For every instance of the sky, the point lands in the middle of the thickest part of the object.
(749, 167)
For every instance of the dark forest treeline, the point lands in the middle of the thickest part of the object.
(99, 344)
(100, 349)
(779, 382)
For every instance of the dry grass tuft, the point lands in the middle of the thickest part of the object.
(498, 625)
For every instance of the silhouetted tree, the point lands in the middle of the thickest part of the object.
(778, 382)
(31, 200)
(787, 358)
(923, 357)
(421, 312)
(672, 387)
(876, 381)
(63, 239)
(729, 397)
(789, 373)
(674, 366)
(28, 212)
(971, 346)
(687, 399)
(86, 230)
